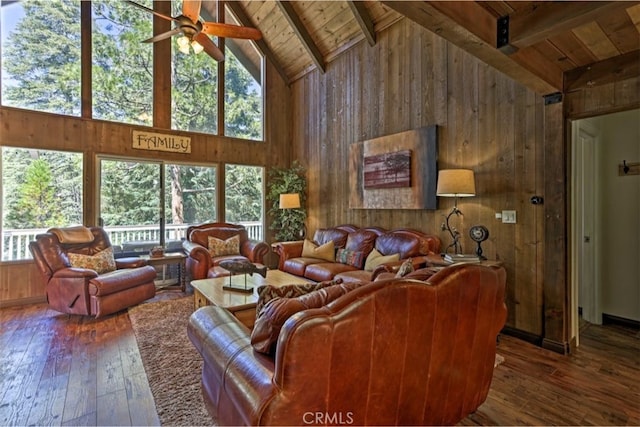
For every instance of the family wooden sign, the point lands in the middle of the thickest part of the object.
(160, 142)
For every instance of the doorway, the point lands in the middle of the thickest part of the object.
(605, 225)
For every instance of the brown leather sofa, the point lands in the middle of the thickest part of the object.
(407, 243)
(393, 352)
(78, 290)
(201, 264)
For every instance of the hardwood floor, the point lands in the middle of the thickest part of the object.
(69, 370)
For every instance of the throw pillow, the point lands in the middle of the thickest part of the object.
(353, 258)
(405, 268)
(102, 262)
(313, 250)
(218, 247)
(268, 292)
(275, 313)
(375, 259)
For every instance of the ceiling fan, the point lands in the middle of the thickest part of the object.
(196, 33)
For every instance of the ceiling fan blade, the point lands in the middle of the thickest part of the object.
(191, 9)
(163, 36)
(209, 46)
(161, 15)
(232, 31)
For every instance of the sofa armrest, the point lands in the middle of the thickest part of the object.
(287, 250)
(198, 259)
(231, 363)
(74, 273)
(255, 250)
(130, 262)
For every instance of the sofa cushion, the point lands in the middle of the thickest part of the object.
(375, 259)
(102, 262)
(268, 292)
(326, 270)
(218, 247)
(324, 251)
(275, 313)
(361, 240)
(353, 258)
(406, 244)
(336, 235)
(297, 266)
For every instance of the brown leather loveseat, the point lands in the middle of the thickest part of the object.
(233, 244)
(402, 243)
(394, 352)
(81, 289)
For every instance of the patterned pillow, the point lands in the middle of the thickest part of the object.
(275, 313)
(102, 262)
(353, 258)
(325, 252)
(375, 258)
(405, 268)
(268, 292)
(218, 247)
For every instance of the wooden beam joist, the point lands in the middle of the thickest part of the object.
(610, 70)
(364, 20)
(305, 38)
(244, 20)
(544, 20)
(476, 34)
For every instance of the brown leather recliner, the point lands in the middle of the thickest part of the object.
(395, 352)
(82, 290)
(201, 264)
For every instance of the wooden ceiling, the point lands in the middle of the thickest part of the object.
(549, 46)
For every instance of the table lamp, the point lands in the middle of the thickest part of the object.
(455, 183)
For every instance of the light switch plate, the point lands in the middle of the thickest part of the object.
(509, 217)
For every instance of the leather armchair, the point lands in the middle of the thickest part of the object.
(201, 264)
(77, 290)
(393, 352)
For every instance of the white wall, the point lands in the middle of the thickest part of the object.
(619, 215)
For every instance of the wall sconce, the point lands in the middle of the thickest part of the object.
(455, 183)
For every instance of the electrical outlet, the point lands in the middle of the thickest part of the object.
(509, 217)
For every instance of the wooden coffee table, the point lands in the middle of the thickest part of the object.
(241, 304)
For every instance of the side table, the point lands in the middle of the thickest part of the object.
(436, 260)
(175, 258)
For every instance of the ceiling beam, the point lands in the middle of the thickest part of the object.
(543, 20)
(262, 46)
(478, 40)
(361, 14)
(305, 38)
(602, 72)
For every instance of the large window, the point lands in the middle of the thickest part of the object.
(243, 87)
(41, 55)
(144, 204)
(122, 66)
(40, 189)
(41, 68)
(244, 195)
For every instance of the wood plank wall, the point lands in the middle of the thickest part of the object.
(488, 123)
(20, 281)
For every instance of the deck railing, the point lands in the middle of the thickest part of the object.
(15, 242)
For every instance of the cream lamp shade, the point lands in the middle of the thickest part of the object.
(289, 201)
(455, 183)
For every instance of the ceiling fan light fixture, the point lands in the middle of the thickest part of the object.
(183, 44)
(197, 47)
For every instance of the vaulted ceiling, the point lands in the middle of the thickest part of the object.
(549, 46)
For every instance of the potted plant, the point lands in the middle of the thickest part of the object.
(288, 223)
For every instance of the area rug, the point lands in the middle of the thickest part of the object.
(172, 363)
